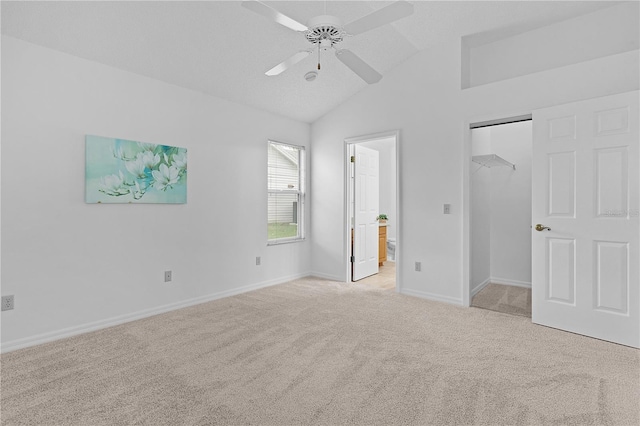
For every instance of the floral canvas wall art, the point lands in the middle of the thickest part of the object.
(124, 171)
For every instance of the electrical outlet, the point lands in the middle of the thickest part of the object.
(447, 209)
(418, 266)
(167, 276)
(258, 260)
(7, 303)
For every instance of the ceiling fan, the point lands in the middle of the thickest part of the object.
(325, 32)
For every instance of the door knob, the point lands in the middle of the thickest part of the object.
(541, 227)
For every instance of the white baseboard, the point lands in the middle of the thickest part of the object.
(326, 276)
(110, 322)
(431, 296)
(506, 281)
(480, 286)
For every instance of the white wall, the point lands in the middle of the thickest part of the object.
(422, 98)
(480, 211)
(568, 42)
(73, 266)
(511, 205)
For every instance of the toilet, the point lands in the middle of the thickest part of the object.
(391, 249)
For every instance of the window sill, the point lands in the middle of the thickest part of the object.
(284, 241)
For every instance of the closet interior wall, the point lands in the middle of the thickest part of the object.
(501, 207)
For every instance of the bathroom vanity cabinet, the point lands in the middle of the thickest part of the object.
(382, 244)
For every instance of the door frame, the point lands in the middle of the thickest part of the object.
(348, 143)
(476, 122)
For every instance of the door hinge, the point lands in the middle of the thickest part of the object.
(353, 259)
(353, 158)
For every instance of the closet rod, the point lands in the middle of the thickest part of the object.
(500, 121)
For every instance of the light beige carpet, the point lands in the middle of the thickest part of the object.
(504, 298)
(316, 352)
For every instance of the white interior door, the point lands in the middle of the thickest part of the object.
(586, 189)
(366, 205)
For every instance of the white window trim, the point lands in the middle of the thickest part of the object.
(301, 192)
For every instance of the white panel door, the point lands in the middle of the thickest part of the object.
(586, 189)
(366, 205)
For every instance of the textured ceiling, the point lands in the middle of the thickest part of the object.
(223, 49)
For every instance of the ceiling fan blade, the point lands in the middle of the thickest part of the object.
(281, 67)
(273, 14)
(358, 66)
(386, 15)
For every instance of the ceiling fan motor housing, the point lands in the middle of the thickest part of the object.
(325, 30)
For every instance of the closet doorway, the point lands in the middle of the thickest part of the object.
(500, 217)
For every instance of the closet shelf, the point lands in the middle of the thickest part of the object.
(492, 160)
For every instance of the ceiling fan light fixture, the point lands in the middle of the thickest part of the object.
(311, 75)
(325, 29)
(325, 44)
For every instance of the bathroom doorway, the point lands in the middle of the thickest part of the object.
(376, 242)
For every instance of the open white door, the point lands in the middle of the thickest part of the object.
(586, 190)
(366, 205)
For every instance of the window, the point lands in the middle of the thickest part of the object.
(285, 193)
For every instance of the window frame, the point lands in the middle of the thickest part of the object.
(300, 192)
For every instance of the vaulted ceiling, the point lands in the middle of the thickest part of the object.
(223, 49)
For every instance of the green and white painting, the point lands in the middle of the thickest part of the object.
(123, 171)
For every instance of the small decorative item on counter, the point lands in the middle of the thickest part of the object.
(382, 218)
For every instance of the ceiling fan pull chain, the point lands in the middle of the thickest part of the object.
(318, 56)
